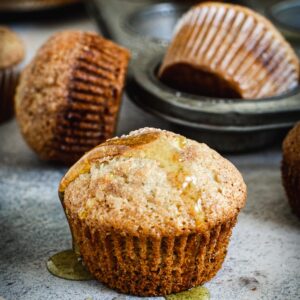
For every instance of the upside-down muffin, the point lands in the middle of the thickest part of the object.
(225, 50)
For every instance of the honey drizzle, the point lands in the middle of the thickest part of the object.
(197, 293)
(169, 157)
(68, 265)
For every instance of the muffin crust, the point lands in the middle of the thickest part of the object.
(179, 188)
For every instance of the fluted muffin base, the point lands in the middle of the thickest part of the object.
(150, 266)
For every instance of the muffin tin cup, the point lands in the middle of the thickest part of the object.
(285, 14)
(225, 124)
(8, 82)
(152, 266)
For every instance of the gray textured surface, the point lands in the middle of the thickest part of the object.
(263, 261)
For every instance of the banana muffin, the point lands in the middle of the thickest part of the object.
(291, 168)
(69, 96)
(151, 213)
(11, 55)
(225, 50)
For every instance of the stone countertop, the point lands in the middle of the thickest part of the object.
(263, 260)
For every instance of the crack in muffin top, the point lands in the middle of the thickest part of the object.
(152, 182)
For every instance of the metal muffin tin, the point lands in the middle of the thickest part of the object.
(145, 27)
(287, 15)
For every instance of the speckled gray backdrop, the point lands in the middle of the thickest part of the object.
(263, 261)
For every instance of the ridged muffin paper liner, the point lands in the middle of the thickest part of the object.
(237, 45)
(148, 266)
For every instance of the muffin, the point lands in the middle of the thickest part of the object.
(11, 54)
(151, 213)
(69, 96)
(225, 50)
(31, 5)
(291, 168)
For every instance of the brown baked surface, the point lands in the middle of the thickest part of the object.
(11, 48)
(291, 168)
(69, 96)
(152, 212)
(230, 51)
(11, 54)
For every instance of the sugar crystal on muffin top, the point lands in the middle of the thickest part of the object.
(155, 182)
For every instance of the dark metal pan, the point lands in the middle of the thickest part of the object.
(146, 27)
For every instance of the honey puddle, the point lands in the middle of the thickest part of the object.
(67, 265)
(197, 293)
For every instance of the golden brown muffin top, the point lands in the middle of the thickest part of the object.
(152, 182)
(291, 147)
(11, 48)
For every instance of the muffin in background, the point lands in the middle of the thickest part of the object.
(226, 50)
(291, 168)
(69, 96)
(151, 213)
(11, 54)
(29, 5)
